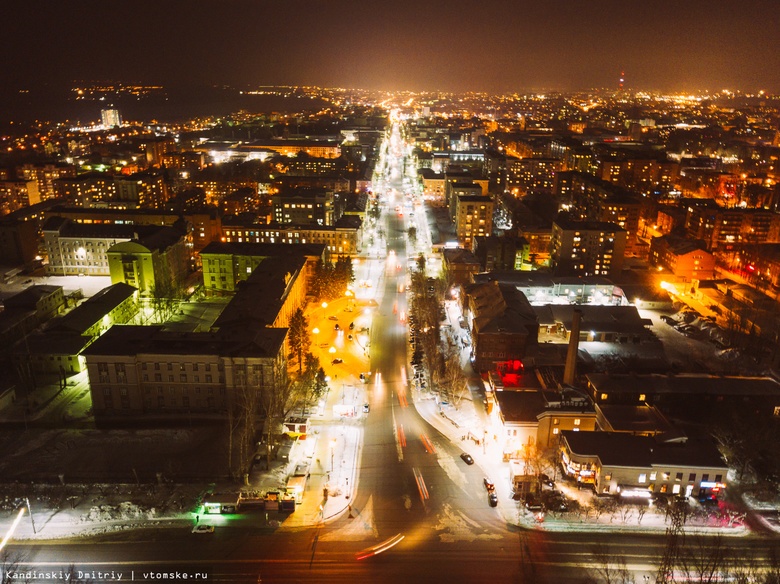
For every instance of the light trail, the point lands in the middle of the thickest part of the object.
(379, 548)
(13, 527)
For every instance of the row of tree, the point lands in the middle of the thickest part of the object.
(331, 280)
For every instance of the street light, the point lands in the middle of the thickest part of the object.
(332, 450)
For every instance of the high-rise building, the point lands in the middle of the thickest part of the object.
(110, 118)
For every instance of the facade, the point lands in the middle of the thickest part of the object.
(116, 304)
(503, 324)
(45, 175)
(18, 241)
(531, 174)
(293, 147)
(82, 248)
(304, 207)
(500, 253)
(722, 228)
(623, 464)
(110, 118)
(459, 265)
(57, 350)
(473, 218)
(586, 248)
(17, 194)
(532, 420)
(682, 257)
(87, 190)
(227, 264)
(137, 371)
(140, 190)
(345, 238)
(155, 263)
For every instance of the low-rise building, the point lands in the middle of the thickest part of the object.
(587, 248)
(618, 463)
(227, 264)
(504, 325)
(685, 258)
(138, 371)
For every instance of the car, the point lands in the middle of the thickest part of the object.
(492, 498)
(533, 504)
(332, 318)
(489, 485)
(336, 361)
(352, 326)
(336, 327)
(203, 529)
(467, 458)
(366, 408)
(349, 337)
(546, 480)
(668, 320)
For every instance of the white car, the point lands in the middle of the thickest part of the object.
(203, 529)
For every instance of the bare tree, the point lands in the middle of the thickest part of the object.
(609, 567)
(451, 379)
(703, 559)
(10, 563)
(276, 401)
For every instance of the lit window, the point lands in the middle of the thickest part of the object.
(576, 421)
(555, 430)
(642, 478)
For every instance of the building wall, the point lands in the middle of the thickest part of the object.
(473, 218)
(587, 252)
(174, 385)
(70, 256)
(339, 241)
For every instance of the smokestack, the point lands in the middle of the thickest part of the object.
(574, 344)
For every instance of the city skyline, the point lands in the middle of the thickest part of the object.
(494, 46)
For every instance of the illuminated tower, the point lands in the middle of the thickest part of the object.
(110, 118)
(622, 80)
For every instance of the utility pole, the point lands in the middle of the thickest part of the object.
(29, 509)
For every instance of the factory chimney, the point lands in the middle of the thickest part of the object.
(574, 344)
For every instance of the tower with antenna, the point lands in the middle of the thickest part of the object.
(621, 81)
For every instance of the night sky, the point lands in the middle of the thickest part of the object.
(484, 45)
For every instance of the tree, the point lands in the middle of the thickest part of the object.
(610, 568)
(242, 409)
(344, 275)
(277, 399)
(413, 236)
(312, 381)
(298, 337)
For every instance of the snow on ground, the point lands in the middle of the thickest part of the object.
(456, 526)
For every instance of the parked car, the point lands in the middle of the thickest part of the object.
(336, 327)
(336, 361)
(467, 458)
(546, 480)
(366, 408)
(492, 498)
(532, 503)
(668, 320)
(489, 485)
(332, 318)
(203, 529)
